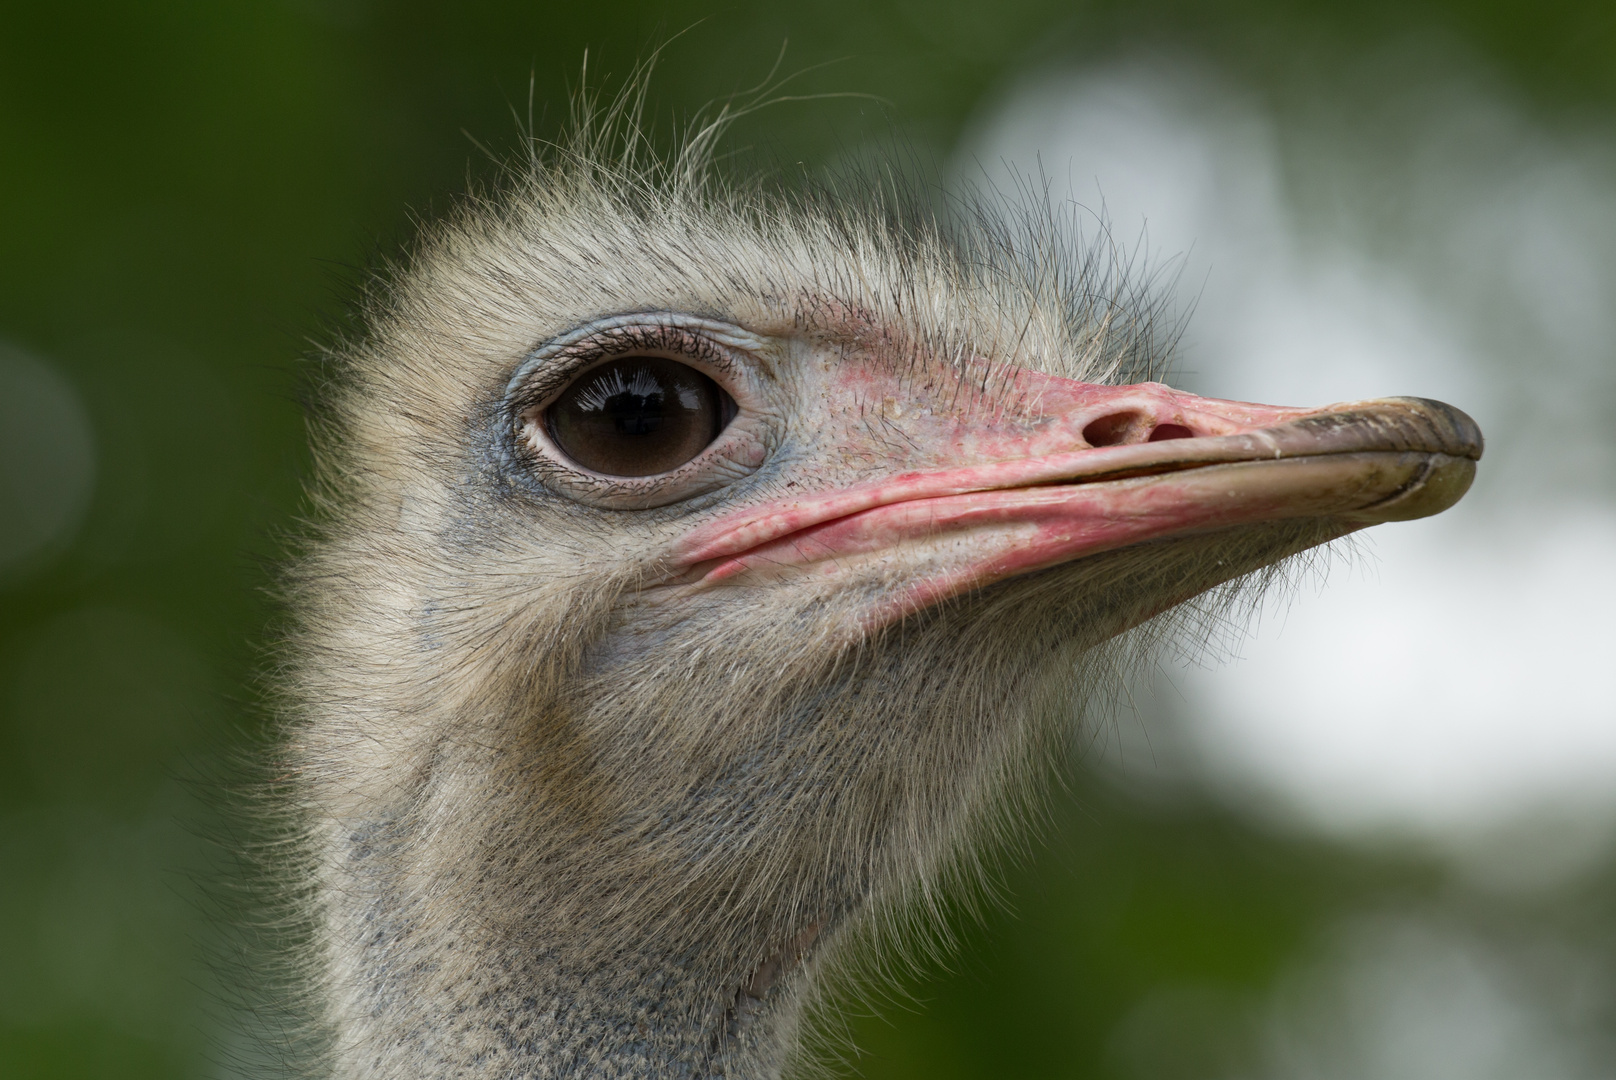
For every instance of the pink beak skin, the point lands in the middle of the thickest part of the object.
(1107, 467)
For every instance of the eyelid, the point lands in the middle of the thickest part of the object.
(551, 367)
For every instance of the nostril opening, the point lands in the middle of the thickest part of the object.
(1164, 432)
(1113, 430)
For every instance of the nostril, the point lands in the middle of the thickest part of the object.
(1114, 430)
(1164, 432)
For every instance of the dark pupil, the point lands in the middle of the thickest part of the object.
(638, 416)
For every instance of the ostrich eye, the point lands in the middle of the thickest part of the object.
(638, 416)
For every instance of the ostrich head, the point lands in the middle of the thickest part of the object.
(702, 572)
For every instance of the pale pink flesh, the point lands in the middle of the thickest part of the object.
(1010, 496)
(1016, 459)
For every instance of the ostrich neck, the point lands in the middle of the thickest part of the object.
(596, 882)
(558, 944)
(466, 1001)
(481, 997)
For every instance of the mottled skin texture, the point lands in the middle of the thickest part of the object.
(596, 782)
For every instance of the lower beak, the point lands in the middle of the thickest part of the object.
(926, 536)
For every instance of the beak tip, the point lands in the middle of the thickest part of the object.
(1442, 484)
(1460, 433)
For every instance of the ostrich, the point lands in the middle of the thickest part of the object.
(704, 574)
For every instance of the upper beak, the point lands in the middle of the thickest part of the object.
(1105, 468)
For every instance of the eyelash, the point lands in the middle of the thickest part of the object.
(569, 362)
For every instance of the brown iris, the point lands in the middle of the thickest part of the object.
(638, 416)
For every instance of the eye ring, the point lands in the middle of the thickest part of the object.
(637, 416)
(740, 364)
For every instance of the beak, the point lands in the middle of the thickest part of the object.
(1102, 468)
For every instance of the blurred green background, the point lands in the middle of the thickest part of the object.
(190, 193)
